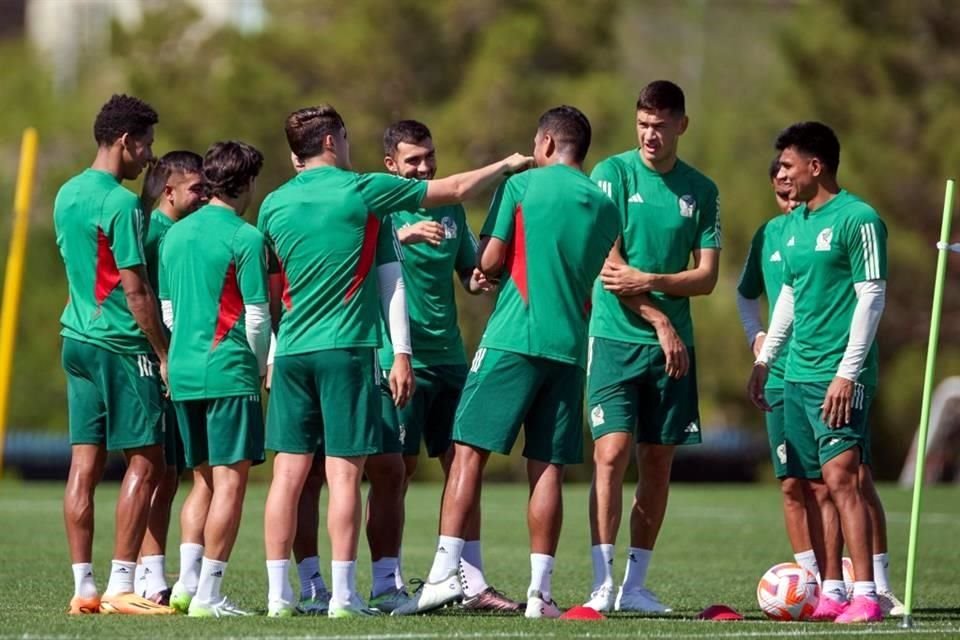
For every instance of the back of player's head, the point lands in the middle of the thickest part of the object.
(569, 129)
(229, 166)
(408, 131)
(307, 128)
(813, 139)
(123, 114)
(159, 173)
(662, 95)
(774, 167)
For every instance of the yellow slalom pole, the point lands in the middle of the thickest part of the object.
(13, 278)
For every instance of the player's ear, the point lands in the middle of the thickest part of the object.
(684, 123)
(329, 144)
(390, 164)
(816, 167)
(125, 141)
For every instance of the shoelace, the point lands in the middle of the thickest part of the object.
(418, 583)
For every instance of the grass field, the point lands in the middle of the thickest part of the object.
(716, 543)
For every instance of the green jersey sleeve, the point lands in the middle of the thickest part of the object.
(708, 224)
(125, 230)
(501, 219)
(250, 253)
(608, 177)
(162, 282)
(388, 245)
(384, 193)
(866, 244)
(751, 278)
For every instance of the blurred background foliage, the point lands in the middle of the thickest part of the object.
(884, 73)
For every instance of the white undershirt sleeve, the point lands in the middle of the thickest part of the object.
(871, 299)
(749, 310)
(257, 323)
(781, 325)
(166, 309)
(393, 298)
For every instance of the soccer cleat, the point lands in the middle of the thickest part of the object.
(432, 595)
(315, 606)
(890, 604)
(389, 600)
(222, 609)
(132, 604)
(861, 610)
(79, 605)
(601, 598)
(540, 607)
(180, 598)
(491, 600)
(356, 609)
(280, 609)
(827, 610)
(161, 597)
(639, 600)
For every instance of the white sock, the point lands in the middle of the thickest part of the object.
(471, 569)
(121, 578)
(140, 580)
(83, 584)
(311, 580)
(211, 575)
(602, 555)
(638, 561)
(343, 576)
(154, 574)
(278, 582)
(191, 554)
(398, 580)
(447, 558)
(881, 563)
(865, 589)
(385, 572)
(541, 575)
(835, 590)
(808, 560)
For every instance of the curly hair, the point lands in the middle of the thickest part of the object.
(229, 166)
(123, 114)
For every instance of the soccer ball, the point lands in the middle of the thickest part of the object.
(787, 592)
(848, 577)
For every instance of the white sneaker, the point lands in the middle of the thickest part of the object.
(222, 609)
(601, 598)
(890, 604)
(281, 609)
(640, 600)
(432, 595)
(315, 606)
(540, 607)
(389, 600)
(356, 609)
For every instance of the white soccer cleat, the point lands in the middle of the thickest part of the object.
(540, 607)
(432, 595)
(281, 609)
(222, 609)
(356, 609)
(890, 604)
(640, 601)
(601, 599)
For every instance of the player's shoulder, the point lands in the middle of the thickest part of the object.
(856, 208)
(119, 199)
(696, 178)
(617, 164)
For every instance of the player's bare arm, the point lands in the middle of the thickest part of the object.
(622, 279)
(464, 186)
(491, 257)
(475, 282)
(429, 231)
(143, 305)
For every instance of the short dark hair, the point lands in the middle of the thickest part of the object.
(229, 166)
(159, 172)
(123, 114)
(408, 131)
(569, 129)
(774, 168)
(306, 128)
(662, 95)
(813, 139)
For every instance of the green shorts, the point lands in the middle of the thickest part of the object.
(629, 391)
(113, 399)
(505, 390)
(810, 442)
(327, 399)
(428, 417)
(172, 440)
(221, 431)
(775, 430)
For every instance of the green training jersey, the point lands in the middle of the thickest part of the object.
(212, 263)
(825, 253)
(99, 228)
(763, 274)
(159, 225)
(434, 332)
(559, 228)
(324, 228)
(665, 217)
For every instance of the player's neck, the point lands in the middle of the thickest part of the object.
(167, 209)
(664, 165)
(826, 191)
(323, 160)
(109, 160)
(226, 203)
(567, 161)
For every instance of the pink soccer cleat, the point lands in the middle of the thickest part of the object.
(862, 609)
(828, 609)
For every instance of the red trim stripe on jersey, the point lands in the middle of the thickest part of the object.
(107, 274)
(517, 256)
(231, 305)
(280, 286)
(368, 251)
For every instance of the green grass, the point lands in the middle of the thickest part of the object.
(716, 543)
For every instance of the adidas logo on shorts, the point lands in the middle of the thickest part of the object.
(692, 428)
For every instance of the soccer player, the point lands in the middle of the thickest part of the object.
(833, 294)
(213, 288)
(548, 231)
(323, 227)
(642, 381)
(435, 243)
(175, 184)
(114, 353)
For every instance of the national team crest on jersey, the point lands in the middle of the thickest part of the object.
(824, 239)
(449, 227)
(688, 205)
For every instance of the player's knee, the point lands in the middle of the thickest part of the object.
(610, 457)
(793, 492)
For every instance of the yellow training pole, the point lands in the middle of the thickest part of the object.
(13, 278)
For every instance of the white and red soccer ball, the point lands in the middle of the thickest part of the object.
(788, 592)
